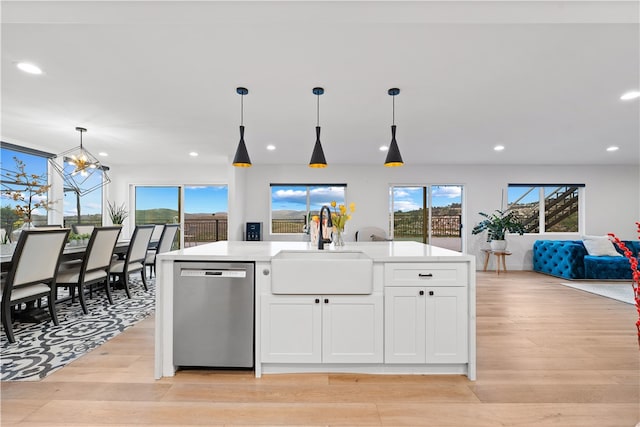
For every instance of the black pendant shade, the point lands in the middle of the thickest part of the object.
(317, 158)
(241, 158)
(393, 155)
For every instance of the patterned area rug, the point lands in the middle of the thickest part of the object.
(43, 348)
(617, 291)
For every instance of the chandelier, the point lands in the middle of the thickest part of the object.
(80, 170)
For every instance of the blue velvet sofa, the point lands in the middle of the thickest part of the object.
(569, 259)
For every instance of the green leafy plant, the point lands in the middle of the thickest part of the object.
(498, 224)
(117, 213)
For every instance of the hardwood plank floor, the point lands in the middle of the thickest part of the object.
(548, 355)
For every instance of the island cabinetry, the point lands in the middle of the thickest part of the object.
(426, 313)
(322, 328)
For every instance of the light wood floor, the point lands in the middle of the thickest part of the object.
(548, 355)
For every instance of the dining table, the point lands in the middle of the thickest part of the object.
(70, 253)
(34, 314)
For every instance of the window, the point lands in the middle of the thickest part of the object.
(85, 209)
(547, 208)
(202, 210)
(292, 204)
(429, 214)
(35, 164)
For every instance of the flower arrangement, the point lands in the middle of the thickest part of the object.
(339, 216)
(28, 191)
(633, 261)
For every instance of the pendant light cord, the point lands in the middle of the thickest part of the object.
(242, 110)
(318, 110)
(393, 109)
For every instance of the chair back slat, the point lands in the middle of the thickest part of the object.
(37, 255)
(167, 238)
(139, 243)
(100, 248)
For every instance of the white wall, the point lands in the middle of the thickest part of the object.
(612, 199)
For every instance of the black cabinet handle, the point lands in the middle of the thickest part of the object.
(326, 300)
(317, 300)
(425, 275)
(431, 293)
(421, 292)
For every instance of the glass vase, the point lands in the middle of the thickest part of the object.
(338, 239)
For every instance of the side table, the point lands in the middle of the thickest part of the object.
(500, 259)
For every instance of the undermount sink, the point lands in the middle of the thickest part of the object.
(318, 272)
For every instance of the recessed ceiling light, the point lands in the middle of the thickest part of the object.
(29, 68)
(103, 154)
(271, 147)
(383, 148)
(498, 147)
(613, 148)
(633, 94)
(193, 154)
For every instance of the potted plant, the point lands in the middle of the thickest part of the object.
(497, 225)
(74, 239)
(117, 213)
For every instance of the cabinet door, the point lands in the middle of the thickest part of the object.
(404, 323)
(352, 330)
(447, 325)
(291, 329)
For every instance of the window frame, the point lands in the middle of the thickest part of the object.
(542, 207)
(308, 187)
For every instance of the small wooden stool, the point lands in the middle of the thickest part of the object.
(500, 258)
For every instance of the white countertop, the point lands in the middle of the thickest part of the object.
(395, 251)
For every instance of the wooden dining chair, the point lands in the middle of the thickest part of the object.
(94, 268)
(32, 275)
(134, 260)
(165, 243)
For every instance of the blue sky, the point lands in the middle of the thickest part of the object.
(407, 199)
(295, 197)
(197, 199)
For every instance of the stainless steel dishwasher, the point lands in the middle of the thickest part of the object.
(213, 314)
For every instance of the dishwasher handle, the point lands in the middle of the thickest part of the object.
(239, 273)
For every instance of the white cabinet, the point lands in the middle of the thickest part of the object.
(426, 324)
(322, 329)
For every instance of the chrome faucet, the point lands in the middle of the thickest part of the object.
(321, 240)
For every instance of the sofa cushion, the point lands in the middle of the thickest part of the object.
(561, 258)
(600, 246)
(607, 267)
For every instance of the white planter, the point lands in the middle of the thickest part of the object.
(498, 245)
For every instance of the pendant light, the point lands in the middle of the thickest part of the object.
(393, 155)
(241, 158)
(78, 167)
(317, 158)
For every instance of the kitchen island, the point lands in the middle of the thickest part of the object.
(403, 307)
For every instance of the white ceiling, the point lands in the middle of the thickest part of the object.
(157, 79)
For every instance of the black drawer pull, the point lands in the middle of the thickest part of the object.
(425, 275)
(317, 300)
(421, 292)
(431, 293)
(326, 300)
